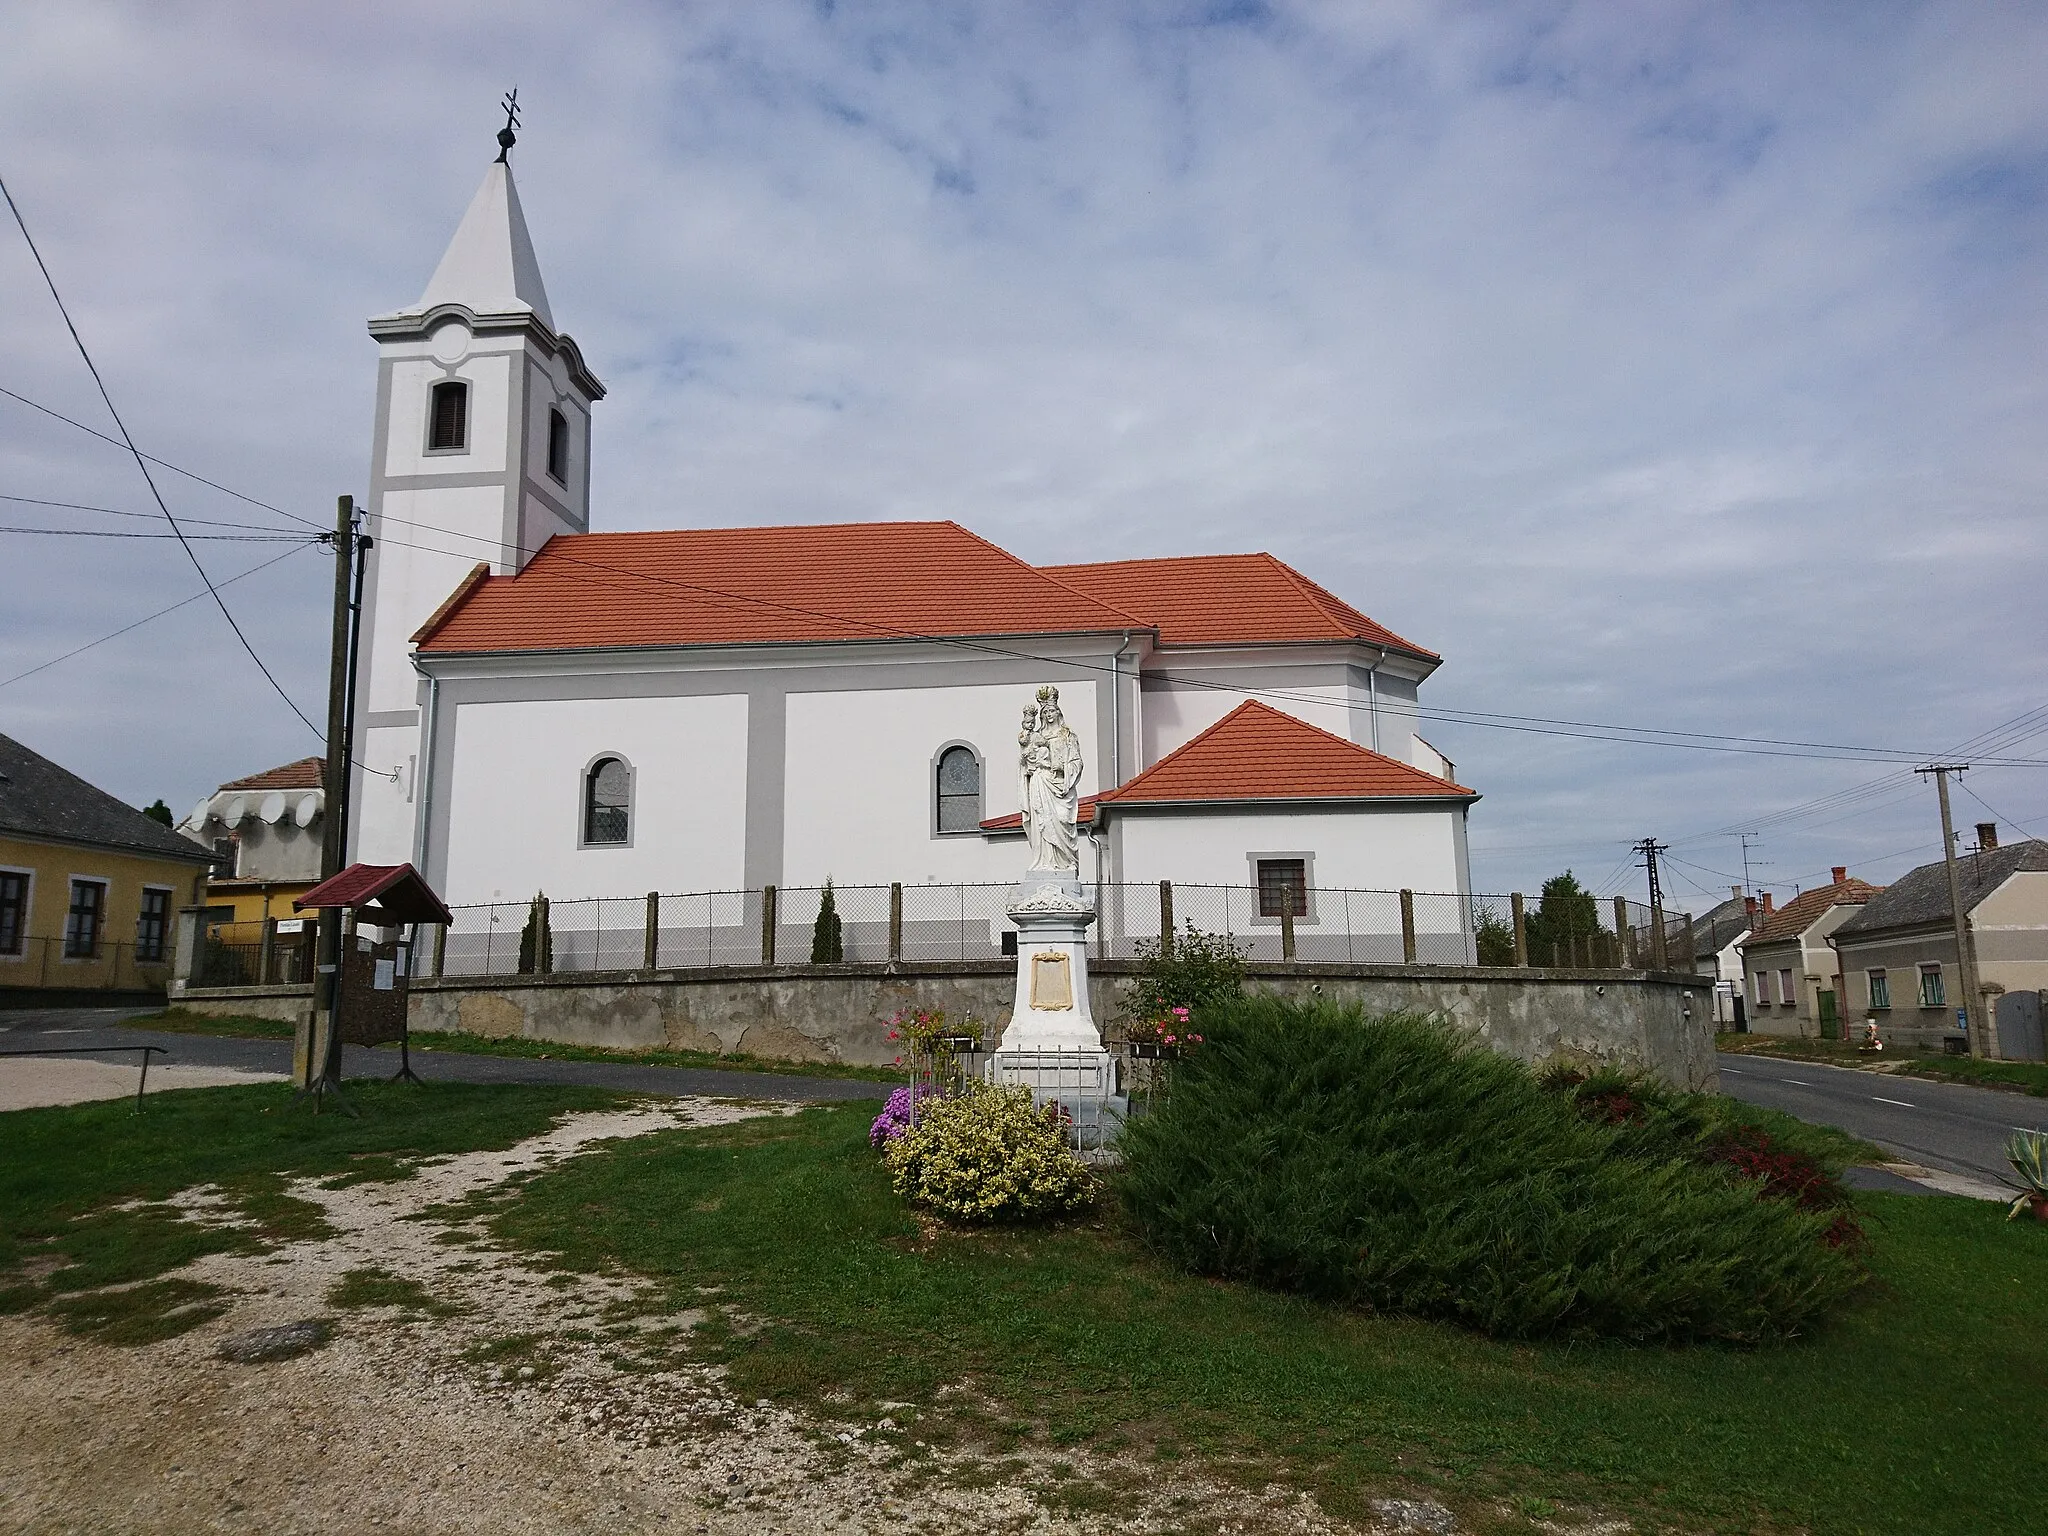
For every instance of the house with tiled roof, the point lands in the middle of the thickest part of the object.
(543, 705)
(1898, 953)
(267, 828)
(1792, 970)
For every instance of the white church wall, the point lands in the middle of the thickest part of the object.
(858, 779)
(1385, 848)
(489, 374)
(410, 582)
(514, 797)
(381, 818)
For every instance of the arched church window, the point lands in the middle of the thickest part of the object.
(558, 446)
(957, 780)
(607, 801)
(448, 416)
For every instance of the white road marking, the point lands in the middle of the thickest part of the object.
(1796, 1081)
(1900, 1102)
(1738, 1071)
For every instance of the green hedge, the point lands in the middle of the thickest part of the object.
(1394, 1163)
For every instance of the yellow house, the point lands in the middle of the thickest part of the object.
(89, 887)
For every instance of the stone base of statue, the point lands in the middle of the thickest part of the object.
(1052, 1044)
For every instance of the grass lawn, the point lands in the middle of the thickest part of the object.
(64, 1170)
(1915, 1411)
(2024, 1076)
(179, 1021)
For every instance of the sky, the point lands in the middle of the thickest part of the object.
(1675, 366)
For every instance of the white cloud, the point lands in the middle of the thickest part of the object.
(1673, 365)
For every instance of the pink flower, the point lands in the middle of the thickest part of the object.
(892, 1034)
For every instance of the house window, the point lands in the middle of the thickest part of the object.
(1880, 989)
(558, 446)
(1283, 887)
(607, 801)
(82, 922)
(152, 927)
(448, 417)
(13, 911)
(1932, 993)
(956, 781)
(1787, 994)
(1763, 989)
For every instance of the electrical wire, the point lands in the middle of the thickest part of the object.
(181, 603)
(2010, 821)
(123, 533)
(189, 522)
(142, 463)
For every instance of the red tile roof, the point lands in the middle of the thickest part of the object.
(1806, 909)
(1014, 822)
(713, 586)
(1227, 600)
(1257, 753)
(306, 773)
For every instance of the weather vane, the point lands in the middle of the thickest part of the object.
(506, 137)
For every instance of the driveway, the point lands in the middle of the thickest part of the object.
(72, 1028)
(1951, 1128)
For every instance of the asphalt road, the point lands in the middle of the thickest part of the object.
(1950, 1127)
(75, 1027)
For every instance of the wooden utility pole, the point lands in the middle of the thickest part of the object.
(321, 1063)
(1975, 1028)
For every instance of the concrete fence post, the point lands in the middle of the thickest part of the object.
(767, 925)
(1621, 934)
(896, 920)
(1657, 955)
(1166, 919)
(650, 949)
(266, 953)
(1408, 927)
(1520, 910)
(1686, 960)
(1287, 925)
(440, 951)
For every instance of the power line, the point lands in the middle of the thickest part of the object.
(161, 463)
(189, 522)
(142, 463)
(125, 628)
(1994, 810)
(123, 533)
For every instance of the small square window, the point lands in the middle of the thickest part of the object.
(1880, 989)
(1283, 887)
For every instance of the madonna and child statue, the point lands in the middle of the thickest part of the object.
(1052, 1042)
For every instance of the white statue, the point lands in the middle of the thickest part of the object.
(1049, 786)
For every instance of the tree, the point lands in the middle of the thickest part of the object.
(828, 941)
(1566, 915)
(160, 812)
(537, 940)
(1196, 970)
(1495, 937)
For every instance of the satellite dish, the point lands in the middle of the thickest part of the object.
(272, 808)
(309, 807)
(237, 809)
(200, 812)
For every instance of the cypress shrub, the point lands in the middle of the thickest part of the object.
(828, 938)
(537, 940)
(1396, 1164)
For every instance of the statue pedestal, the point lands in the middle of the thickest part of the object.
(1052, 1044)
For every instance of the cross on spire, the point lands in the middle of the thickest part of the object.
(506, 135)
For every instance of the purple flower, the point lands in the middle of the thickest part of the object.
(895, 1117)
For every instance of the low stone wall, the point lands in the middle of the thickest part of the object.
(1657, 1023)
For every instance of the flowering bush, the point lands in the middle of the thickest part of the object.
(925, 1029)
(1166, 1026)
(987, 1155)
(898, 1113)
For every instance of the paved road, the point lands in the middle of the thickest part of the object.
(1950, 1127)
(73, 1027)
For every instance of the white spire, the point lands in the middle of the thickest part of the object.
(489, 265)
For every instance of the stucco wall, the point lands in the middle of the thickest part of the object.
(51, 867)
(1662, 1025)
(515, 797)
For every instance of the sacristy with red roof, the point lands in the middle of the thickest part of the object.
(543, 705)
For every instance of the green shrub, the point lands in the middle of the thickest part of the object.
(537, 940)
(987, 1155)
(828, 937)
(1397, 1164)
(1196, 970)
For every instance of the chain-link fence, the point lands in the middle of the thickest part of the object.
(873, 924)
(107, 966)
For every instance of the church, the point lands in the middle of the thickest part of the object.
(545, 706)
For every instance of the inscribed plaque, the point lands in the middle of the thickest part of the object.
(1052, 981)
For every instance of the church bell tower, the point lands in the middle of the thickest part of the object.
(481, 454)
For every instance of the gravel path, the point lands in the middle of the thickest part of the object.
(534, 1404)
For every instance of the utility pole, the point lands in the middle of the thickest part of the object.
(1975, 1027)
(1649, 848)
(1747, 888)
(323, 1047)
